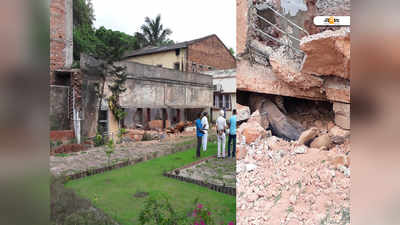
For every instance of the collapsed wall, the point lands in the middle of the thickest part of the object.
(282, 53)
(293, 152)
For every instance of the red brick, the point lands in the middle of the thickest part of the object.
(210, 52)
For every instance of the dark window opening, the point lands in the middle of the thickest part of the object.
(159, 65)
(176, 66)
(177, 52)
(62, 78)
(194, 67)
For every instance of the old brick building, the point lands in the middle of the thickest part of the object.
(61, 37)
(203, 54)
(62, 83)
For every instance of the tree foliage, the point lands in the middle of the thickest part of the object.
(152, 33)
(83, 13)
(101, 43)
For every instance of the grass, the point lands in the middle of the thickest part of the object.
(62, 155)
(114, 191)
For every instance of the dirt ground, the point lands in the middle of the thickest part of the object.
(214, 171)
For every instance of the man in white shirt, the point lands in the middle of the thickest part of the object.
(205, 125)
(221, 127)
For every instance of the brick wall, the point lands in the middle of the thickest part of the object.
(60, 35)
(210, 52)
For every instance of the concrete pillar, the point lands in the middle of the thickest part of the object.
(164, 118)
(178, 115)
(148, 117)
(342, 114)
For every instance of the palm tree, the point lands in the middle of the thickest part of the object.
(153, 33)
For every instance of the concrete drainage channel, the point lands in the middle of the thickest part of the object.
(214, 187)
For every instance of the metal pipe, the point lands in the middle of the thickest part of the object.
(297, 26)
(277, 40)
(276, 27)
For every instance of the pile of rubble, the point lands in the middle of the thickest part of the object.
(302, 181)
(156, 132)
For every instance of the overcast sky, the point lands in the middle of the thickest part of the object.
(188, 19)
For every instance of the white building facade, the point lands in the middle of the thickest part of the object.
(224, 82)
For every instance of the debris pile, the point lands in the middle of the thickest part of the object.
(156, 132)
(298, 180)
(281, 182)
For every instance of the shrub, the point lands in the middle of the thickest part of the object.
(160, 212)
(121, 132)
(110, 150)
(98, 140)
(200, 215)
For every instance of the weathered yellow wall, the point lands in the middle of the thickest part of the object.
(112, 126)
(166, 59)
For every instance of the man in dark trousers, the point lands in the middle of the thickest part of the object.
(232, 134)
(199, 133)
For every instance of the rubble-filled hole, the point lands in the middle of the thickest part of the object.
(309, 112)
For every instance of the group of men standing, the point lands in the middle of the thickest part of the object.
(202, 128)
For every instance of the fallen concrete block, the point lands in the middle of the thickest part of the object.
(307, 136)
(322, 141)
(251, 131)
(342, 114)
(243, 112)
(280, 124)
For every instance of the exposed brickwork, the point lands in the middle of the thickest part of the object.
(241, 25)
(210, 52)
(61, 135)
(59, 37)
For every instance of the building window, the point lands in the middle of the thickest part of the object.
(103, 121)
(159, 65)
(177, 52)
(210, 68)
(194, 67)
(176, 66)
(222, 101)
(201, 67)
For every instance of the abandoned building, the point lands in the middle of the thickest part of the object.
(224, 85)
(156, 98)
(62, 97)
(203, 54)
(284, 57)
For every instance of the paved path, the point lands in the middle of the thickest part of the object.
(96, 158)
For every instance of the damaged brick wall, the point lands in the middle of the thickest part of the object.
(315, 67)
(61, 36)
(210, 52)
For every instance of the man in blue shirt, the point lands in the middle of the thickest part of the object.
(200, 133)
(232, 134)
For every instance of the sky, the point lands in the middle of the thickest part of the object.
(188, 19)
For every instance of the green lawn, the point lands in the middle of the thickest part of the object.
(113, 191)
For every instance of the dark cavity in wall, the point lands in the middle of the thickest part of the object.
(307, 112)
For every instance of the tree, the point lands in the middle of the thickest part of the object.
(83, 13)
(232, 51)
(83, 19)
(153, 33)
(117, 87)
